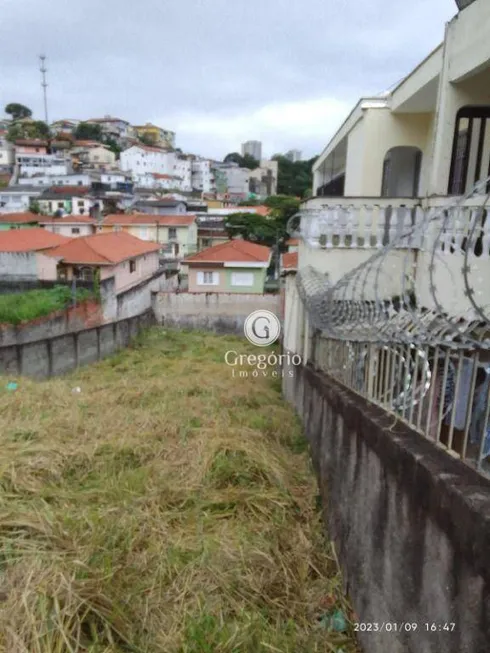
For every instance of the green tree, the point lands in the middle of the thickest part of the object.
(294, 178)
(23, 130)
(113, 146)
(146, 139)
(34, 207)
(252, 227)
(87, 131)
(17, 111)
(246, 161)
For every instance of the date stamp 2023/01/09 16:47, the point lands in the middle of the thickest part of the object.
(404, 626)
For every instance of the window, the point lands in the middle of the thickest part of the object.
(172, 232)
(80, 183)
(208, 278)
(75, 230)
(132, 266)
(470, 160)
(80, 203)
(242, 279)
(143, 233)
(61, 205)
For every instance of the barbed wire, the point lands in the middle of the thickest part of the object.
(427, 281)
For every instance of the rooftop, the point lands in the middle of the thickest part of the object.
(29, 240)
(68, 219)
(237, 250)
(146, 219)
(19, 218)
(289, 261)
(103, 249)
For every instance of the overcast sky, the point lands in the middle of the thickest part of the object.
(218, 72)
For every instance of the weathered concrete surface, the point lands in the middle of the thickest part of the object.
(411, 525)
(60, 354)
(218, 312)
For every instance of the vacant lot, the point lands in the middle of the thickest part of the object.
(164, 507)
(22, 307)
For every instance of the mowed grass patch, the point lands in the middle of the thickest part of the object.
(167, 507)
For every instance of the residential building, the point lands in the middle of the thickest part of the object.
(236, 266)
(45, 180)
(177, 235)
(25, 220)
(115, 128)
(93, 155)
(210, 231)
(32, 159)
(64, 126)
(31, 146)
(253, 148)
(159, 206)
(237, 180)
(292, 244)
(183, 170)
(157, 135)
(157, 181)
(293, 155)
(263, 180)
(18, 198)
(141, 159)
(202, 175)
(23, 254)
(405, 155)
(122, 256)
(72, 200)
(7, 154)
(72, 226)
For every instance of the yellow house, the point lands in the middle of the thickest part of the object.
(157, 135)
(176, 233)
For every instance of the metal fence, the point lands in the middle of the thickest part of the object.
(442, 393)
(409, 327)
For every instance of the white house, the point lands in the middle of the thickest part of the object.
(82, 179)
(73, 226)
(33, 163)
(66, 200)
(202, 175)
(16, 199)
(7, 154)
(394, 162)
(141, 159)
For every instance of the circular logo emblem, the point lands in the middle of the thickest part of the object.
(262, 328)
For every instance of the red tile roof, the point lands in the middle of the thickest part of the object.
(32, 141)
(261, 210)
(292, 242)
(290, 261)
(148, 219)
(88, 144)
(69, 219)
(20, 218)
(103, 249)
(234, 250)
(29, 240)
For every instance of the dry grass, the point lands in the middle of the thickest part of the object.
(166, 508)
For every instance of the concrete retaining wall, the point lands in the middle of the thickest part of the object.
(218, 312)
(411, 525)
(85, 315)
(60, 354)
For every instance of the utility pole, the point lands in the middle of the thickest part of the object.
(44, 85)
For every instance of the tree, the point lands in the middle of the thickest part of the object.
(282, 208)
(113, 146)
(18, 111)
(34, 207)
(294, 178)
(252, 227)
(146, 139)
(87, 131)
(26, 130)
(246, 161)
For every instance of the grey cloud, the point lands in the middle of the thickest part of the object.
(153, 58)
